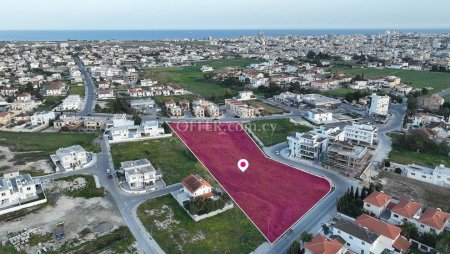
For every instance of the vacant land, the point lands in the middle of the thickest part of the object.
(192, 79)
(77, 90)
(36, 146)
(267, 108)
(424, 159)
(266, 209)
(50, 102)
(168, 155)
(176, 98)
(421, 192)
(419, 79)
(89, 189)
(339, 92)
(176, 232)
(272, 132)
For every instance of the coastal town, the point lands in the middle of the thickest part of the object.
(137, 146)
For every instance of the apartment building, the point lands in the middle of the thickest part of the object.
(379, 105)
(308, 146)
(365, 134)
(319, 116)
(198, 111)
(139, 173)
(240, 109)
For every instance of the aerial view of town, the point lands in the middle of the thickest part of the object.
(322, 134)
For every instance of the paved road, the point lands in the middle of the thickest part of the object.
(90, 93)
(444, 92)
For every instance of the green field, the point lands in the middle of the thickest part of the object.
(37, 146)
(228, 232)
(418, 79)
(272, 132)
(268, 109)
(169, 155)
(191, 78)
(50, 102)
(424, 159)
(77, 90)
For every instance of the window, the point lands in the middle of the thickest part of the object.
(368, 205)
(28, 188)
(363, 243)
(424, 176)
(3, 194)
(413, 174)
(348, 244)
(351, 237)
(395, 215)
(422, 226)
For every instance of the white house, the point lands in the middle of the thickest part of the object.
(195, 186)
(361, 133)
(139, 173)
(245, 95)
(376, 203)
(42, 118)
(405, 210)
(322, 245)
(379, 105)
(433, 221)
(119, 120)
(206, 68)
(72, 102)
(319, 116)
(70, 158)
(151, 128)
(16, 188)
(438, 176)
(125, 133)
(105, 94)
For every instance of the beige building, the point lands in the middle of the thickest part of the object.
(432, 103)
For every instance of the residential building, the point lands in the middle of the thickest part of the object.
(56, 88)
(433, 221)
(376, 203)
(213, 110)
(142, 104)
(16, 189)
(139, 173)
(308, 146)
(175, 111)
(347, 158)
(379, 105)
(245, 95)
(240, 109)
(119, 120)
(151, 128)
(198, 111)
(122, 133)
(105, 94)
(5, 118)
(438, 176)
(70, 158)
(432, 103)
(405, 210)
(319, 116)
(42, 118)
(322, 245)
(361, 134)
(72, 102)
(195, 186)
(206, 68)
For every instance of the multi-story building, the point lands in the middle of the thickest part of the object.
(361, 134)
(347, 158)
(376, 203)
(213, 110)
(70, 158)
(308, 146)
(405, 210)
(72, 102)
(42, 118)
(240, 108)
(198, 111)
(432, 103)
(379, 105)
(151, 128)
(119, 120)
(16, 188)
(139, 173)
(319, 116)
(320, 244)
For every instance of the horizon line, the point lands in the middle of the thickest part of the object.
(226, 29)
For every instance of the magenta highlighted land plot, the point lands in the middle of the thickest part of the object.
(273, 195)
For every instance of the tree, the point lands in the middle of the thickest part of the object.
(294, 248)
(306, 237)
(409, 230)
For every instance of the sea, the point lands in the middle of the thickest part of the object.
(144, 35)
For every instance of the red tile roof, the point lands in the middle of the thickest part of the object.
(192, 183)
(406, 208)
(377, 199)
(379, 227)
(402, 244)
(434, 218)
(321, 245)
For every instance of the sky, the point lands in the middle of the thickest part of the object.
(222, 14)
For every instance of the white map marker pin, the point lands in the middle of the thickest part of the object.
(243, 164)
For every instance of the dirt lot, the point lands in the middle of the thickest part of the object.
(421, 192)
(84, 220)
(7, 163)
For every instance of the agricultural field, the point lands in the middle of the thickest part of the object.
(267, 210)
(403, 156)
(275, 131)
(192, 79)
(176, 232)
(168, 155)
(419, 79)
(339, 92)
